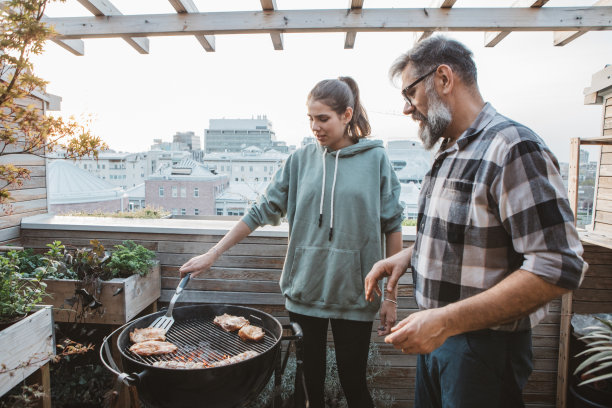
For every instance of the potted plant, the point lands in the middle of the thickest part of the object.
(96, 285)
(26, 328)
(595, 369)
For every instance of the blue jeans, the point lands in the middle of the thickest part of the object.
(485, 368)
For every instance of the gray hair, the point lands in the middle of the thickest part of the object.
(434, 51)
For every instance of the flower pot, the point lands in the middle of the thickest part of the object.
(587, 396)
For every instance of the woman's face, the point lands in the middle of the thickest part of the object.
(328, 127)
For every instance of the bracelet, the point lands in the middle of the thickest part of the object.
(391, 300)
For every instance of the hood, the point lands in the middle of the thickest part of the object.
(361, 146)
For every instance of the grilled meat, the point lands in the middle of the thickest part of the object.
(148, 333)
(235, 359)
(251, 333)
(184, 365)
(230, 323)
(153, 347)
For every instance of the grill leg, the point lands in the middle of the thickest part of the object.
(276, 400)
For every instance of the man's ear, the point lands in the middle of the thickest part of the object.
(445, 79)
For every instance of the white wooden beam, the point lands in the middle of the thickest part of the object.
(106, 8)
(445, 4)
(564, 37)
(310, 21)
(355, 6)
(188, 6)
(277, 37)
(494, 38)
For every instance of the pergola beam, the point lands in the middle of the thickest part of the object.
(188, 6)
(349, 38)
(311, 21)
(445, 4)
(494, 38)
(106, 8)
(561, 38)
(276, 37)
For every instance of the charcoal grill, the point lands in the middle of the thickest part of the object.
(198, 339)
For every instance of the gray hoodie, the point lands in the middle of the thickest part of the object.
(338, 204)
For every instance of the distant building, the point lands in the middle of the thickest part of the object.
(72, 189)
(233, 135)
(239, 197)
(185, 188)
(189, 139)
(409, 160)
(251, 164)
(136, 197)
(308, 140)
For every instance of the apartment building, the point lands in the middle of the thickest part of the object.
(250, 165)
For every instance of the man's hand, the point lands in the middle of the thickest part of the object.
(422, 332)
(388, 317)
(393, 267)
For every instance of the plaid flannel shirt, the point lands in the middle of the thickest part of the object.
(492, 203)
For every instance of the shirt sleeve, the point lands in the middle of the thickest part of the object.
(271, 206)
(534, 210)
(391, 211)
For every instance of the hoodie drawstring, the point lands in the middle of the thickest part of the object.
(331, 218)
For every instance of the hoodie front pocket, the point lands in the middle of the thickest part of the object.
(325, 276)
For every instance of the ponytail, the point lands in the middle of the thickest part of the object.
(340, 94)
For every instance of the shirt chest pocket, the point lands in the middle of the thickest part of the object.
(451, 201)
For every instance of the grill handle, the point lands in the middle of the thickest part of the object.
(107, 359)
(296, 329)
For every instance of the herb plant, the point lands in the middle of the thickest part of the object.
(130, 258)
(17, 296)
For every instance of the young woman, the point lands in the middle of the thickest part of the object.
(339, 196)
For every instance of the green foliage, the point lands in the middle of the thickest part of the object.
(148, 212)
(598, 366)
(23, 128)
(409, 223)
(130, 258)
(17, 296)
(334, 397)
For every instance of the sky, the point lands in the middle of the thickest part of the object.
(130, 99)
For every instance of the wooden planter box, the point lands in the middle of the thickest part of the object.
(121, 298)
(25, 347)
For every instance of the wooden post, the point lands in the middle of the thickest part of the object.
(43, 378)
(566, 300)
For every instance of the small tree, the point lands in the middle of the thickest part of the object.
(24, 129)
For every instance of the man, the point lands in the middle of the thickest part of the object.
(495, 238)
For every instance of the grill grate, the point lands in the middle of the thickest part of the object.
(201, 340)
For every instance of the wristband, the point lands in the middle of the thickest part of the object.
(391, 300)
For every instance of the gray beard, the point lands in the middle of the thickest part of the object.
(438, 118)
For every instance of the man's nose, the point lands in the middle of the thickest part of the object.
(408, 108)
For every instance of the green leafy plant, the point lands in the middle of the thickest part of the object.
(130, 258)
(17, 296)
(598, 366)
(149, 212)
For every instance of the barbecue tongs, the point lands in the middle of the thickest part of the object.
(164, 322)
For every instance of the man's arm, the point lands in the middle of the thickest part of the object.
(393, 268)
(519, 294)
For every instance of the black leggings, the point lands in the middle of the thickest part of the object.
(351, 341)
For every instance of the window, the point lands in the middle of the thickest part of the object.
(175, 211)
(161, 191)
(241, 168)
(251, 169)
(103, 166)
(219, 211)
(236, 179)
(174, 191)
(265, 179)
(196, 211)
(183, 192)
(265, 168)
(196, 192)
(183, 211)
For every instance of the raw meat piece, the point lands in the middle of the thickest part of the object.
(251, 333)
(148, 333)
(236, 359)
(230, 323)
(153, 347)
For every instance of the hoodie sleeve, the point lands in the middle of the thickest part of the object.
(272, 205)
(391, 211)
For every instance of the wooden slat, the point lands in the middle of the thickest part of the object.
(188, 6)
(355, 6)
(443, 4)
(10, 234)
(310, 21)
(494, 38)
(277, 36)
(106, 8)
(22, 160)
(561, 38)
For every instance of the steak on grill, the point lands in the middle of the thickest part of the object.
(230, 323)
(148, 333)
(153, 348)
(185, 365)
(251, 333)
(235, 359)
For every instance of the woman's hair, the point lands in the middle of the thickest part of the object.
(340, 94)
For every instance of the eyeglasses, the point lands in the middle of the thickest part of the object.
(412, 85)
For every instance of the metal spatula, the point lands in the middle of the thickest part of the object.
(164, 322)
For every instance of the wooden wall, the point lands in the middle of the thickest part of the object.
(30, 198)
(602, 223)
(248, 274)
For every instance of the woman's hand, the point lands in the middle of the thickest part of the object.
(388, 317)
(198, 264)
